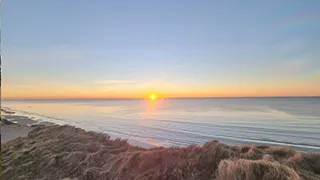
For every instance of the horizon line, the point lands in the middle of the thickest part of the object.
(105, 98)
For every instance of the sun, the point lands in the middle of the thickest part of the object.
(152, 97)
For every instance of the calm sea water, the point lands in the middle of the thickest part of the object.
(179, 122)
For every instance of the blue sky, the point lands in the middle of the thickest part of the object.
(175, 48)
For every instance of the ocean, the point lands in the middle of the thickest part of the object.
(180, 122)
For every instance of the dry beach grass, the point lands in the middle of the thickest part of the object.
(65, 152)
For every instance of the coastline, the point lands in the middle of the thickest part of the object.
(21, 125)
(15, 126)
(48, 151)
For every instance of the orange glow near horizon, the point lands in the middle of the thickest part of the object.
(46, 90)
(195, 94)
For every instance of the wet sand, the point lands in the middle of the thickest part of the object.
(32, 150)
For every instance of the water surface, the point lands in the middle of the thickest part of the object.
(179, 122)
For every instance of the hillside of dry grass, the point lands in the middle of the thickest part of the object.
(65, 152)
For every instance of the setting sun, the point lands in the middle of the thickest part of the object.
(152, 97)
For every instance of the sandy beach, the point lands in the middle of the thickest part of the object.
(33, 150)
(17, 126)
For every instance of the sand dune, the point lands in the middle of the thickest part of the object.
(65, 152)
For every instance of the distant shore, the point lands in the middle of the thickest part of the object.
(6, 111)
(40, 150)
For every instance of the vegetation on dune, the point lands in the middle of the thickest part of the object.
(59, 152)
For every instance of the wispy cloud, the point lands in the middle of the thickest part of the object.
(114, 82)
(292, 58)
(294, 67)
(53, 54)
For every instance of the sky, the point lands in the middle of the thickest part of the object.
(173, 48)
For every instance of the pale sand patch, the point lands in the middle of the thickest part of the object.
(20, 128)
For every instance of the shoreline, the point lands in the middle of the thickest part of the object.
(50, 151)
(23, 124)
